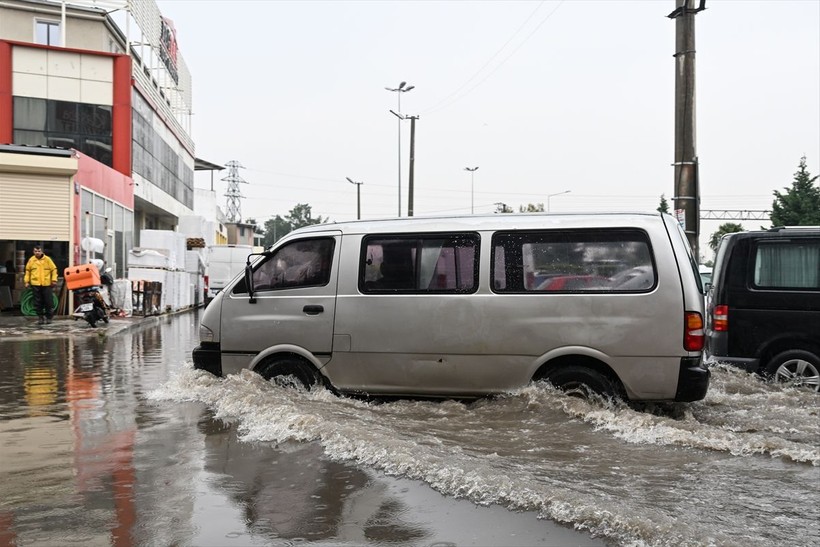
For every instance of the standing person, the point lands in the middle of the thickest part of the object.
(41, 275)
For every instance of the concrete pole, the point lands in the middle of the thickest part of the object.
(687, 192)
(412, 163)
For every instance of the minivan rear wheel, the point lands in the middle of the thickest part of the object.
(282, 370)
(797, 368)
(581, 382)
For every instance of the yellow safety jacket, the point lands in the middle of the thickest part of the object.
(41, 271)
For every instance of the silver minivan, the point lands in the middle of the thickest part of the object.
(469, 306)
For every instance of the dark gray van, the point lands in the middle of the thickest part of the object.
(763, 308)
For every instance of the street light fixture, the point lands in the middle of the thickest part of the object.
(358, 197)
(472, 171)
(556, 194)
(403, 88)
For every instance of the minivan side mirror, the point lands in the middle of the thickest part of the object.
(249, 282)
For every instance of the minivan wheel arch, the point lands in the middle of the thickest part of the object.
(290, 365)
(796, 367)
(571, 373)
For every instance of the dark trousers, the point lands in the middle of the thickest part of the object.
(43, 300)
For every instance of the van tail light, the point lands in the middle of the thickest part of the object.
(205, 277)
(720, 319)
(693, 338)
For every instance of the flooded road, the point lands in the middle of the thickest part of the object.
(118, 441)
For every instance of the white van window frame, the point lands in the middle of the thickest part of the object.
(417, 273)
(277, 270)
(602, 275)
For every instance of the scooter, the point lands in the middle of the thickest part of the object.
(93, 305)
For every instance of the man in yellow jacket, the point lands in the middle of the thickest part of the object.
(41, 275)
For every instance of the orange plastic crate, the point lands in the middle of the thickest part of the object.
(81, 276)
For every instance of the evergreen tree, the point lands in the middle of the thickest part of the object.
(800, 204)
(664, 206)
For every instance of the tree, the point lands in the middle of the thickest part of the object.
(503, 208)
(531, 208)
(300, 216)
(725, 228)
(664, 206)
(800, 204)
(277, 227)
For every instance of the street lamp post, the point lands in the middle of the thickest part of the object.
(556, 194)
(358, 197)
(403, 88)
(472, 171)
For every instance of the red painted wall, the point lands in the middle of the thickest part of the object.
(103, 180)
(5, 93)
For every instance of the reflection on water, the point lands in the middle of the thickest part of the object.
(292, 492)
(118, 441)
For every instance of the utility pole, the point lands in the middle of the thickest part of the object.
(233, 208)
(412, 163)
(472, 171)
(399, 90)
(358, 197)
(687, 192)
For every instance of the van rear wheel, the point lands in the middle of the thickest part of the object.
(581, 382)
(797, 368)
(289, 370)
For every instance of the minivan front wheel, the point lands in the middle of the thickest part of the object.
(290, 371)
(796, 368)
(581, 382)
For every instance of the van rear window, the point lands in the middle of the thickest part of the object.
(435, 263)
(572, 261)
(787, 264)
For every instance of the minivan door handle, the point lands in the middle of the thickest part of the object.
(313, 310)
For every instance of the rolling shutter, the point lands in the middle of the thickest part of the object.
(35, 207)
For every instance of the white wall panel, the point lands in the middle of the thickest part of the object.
(63, 64)
(94, 92)
(63, 89)
(30, 85)
(29, 60)
(97, 68)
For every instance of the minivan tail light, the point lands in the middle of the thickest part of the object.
(720, 319)
(693, 338)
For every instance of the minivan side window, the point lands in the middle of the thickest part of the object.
(434, 263)
(301, 263)
(572, 261)
(787, 264)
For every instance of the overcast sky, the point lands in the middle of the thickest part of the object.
(543, 97)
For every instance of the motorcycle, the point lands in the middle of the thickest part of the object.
(94, 305)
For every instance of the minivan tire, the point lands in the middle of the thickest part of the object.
(798, 368)
(579, 381)
(305, 374)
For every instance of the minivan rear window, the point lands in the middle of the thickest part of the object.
(787, 264)
(572, 261)
(434, 263)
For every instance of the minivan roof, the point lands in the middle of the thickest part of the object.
(489, 222)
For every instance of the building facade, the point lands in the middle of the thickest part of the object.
(71, 79)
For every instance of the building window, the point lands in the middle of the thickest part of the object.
(64, 124)
(47, 33)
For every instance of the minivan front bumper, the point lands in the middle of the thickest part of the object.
(693, 380)
(208, 357)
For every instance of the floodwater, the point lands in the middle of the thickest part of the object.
(116, 440)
